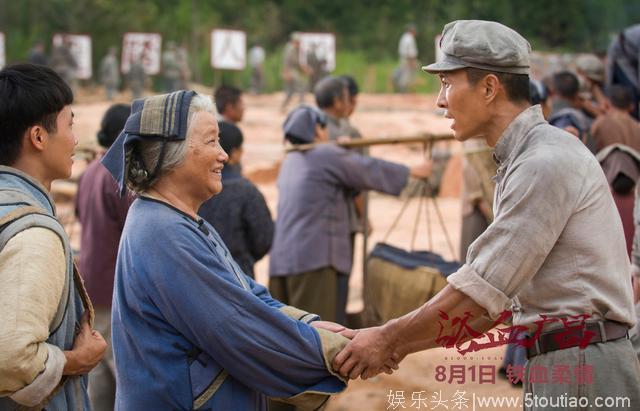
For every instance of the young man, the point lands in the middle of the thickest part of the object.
(229, 104)
(47, 345)
(554, 249)
(566, 107)
(332, 97)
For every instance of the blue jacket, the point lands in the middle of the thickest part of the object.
(183, 312)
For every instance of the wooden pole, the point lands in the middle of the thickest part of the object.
(366, 142)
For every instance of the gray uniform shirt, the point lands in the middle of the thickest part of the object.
(312, 227)
(556, 246)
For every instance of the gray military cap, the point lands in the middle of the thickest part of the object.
(482, 44)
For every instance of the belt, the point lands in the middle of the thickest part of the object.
(600, 332)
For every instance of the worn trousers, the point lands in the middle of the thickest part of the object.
(600, 373)
(313, 291)
(102, 379)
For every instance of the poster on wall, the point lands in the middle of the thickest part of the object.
(323, 45)
(3, 58)
(228, 49)
(80, 47)
(144, 47)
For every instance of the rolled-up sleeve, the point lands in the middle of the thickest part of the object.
(532, 210)
(32, 273)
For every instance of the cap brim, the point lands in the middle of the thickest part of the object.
(441, 66)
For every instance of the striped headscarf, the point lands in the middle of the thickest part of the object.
(162, 118)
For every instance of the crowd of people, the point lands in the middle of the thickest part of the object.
(162, 310)
(299, 73)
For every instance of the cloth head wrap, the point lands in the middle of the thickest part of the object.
(301, 123)
(161, 118)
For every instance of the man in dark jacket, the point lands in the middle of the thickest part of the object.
(239, 212)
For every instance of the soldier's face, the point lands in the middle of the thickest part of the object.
(463, 103)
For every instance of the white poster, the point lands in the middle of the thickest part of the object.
(228, 49)
(322, 44)
(146, 47)
(3, 58)
(80, 46)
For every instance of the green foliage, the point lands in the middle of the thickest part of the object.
(367, 32)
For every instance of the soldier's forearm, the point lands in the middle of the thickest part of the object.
(419, 329)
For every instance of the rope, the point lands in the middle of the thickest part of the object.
(444, 227)
(404, 207)
(417, 222)
(426, 191)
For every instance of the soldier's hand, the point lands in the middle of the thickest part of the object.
(369, 353)
(88, 350)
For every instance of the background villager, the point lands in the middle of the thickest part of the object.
(102, 213)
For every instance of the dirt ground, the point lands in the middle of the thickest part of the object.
(414, 386)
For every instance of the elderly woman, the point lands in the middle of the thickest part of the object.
(190, 329)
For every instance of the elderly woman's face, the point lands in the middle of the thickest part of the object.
(201, 171)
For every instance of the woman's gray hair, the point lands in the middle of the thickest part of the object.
(142, 173)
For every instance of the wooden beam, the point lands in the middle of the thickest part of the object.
(366, 142)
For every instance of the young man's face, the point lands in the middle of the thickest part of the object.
(58, 152)
(353, 101)
(235, 112)
(463, 103)
(342, 104)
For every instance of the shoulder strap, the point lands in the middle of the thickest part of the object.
(30, 216)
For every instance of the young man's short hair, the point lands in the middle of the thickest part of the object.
(226, 95)
(230, 136)
(112, 124)
(352, 86)
(29, 95)
(566, 85)
(620, 96)
(328, 89)
(515, 85)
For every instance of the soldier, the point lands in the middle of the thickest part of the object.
(110, 73)
(292, 70)
(408, 53)
(555, 247)
(256, 62)
(182, 54)
(37, 54)
(63, 63)
(171, 68)
(317, 65)
(136, 78)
